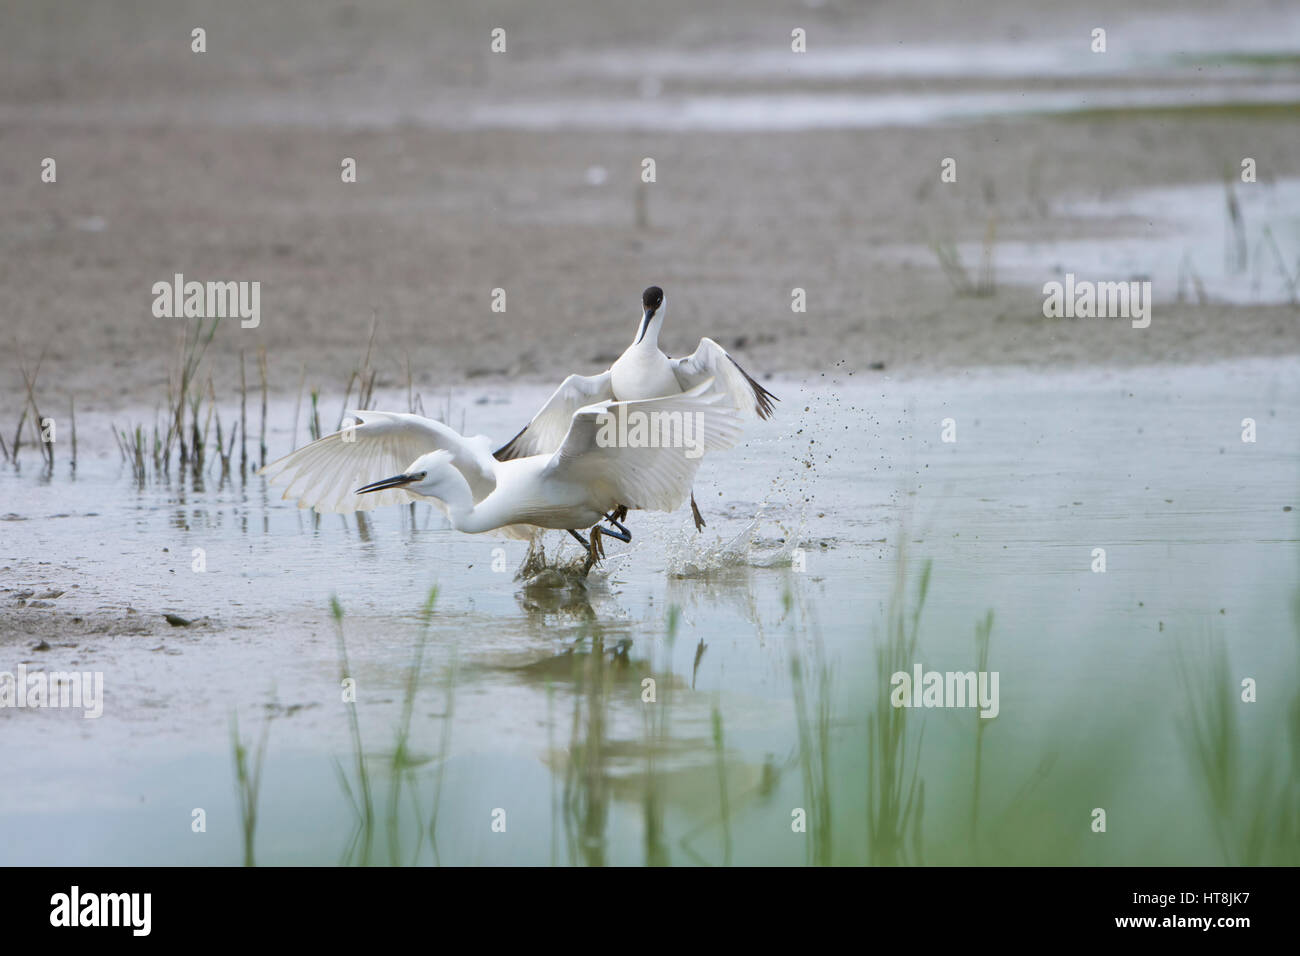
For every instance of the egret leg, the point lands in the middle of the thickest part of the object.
(622, 534)
(619, 513)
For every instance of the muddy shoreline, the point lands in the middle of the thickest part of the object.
(226, 167)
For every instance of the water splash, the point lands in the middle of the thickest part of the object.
(691, 555)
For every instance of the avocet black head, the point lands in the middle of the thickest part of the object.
(652, 298)
(652, 303)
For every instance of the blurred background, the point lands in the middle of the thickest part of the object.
(522, 170)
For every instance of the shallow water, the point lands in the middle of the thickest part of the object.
(1181, 239)
(848, 78)
(785, 112)
(1167, 46)
(530, 702)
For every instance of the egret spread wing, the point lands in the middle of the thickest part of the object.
(711, 361)
(544, 433)
(325, 474)
(604, 451)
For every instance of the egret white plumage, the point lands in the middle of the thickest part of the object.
(391, 458)
(643, 371)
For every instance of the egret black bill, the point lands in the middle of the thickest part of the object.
(397, 481)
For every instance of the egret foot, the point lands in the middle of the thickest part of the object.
(695, 513)
(595, 551)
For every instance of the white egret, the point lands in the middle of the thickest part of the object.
(391, 458)
(643, 371)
